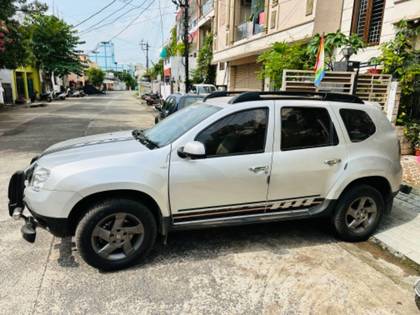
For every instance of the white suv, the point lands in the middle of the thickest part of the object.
(253, 157)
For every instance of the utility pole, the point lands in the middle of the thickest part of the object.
(145, 47)
(185, 5)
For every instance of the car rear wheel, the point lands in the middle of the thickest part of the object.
(115, 234)
(358, 213)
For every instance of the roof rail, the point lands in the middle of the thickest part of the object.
(222, 94)
(270, 95)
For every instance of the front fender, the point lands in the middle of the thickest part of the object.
(146, 173)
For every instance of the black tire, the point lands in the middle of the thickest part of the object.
(341, 217)
(103, 210)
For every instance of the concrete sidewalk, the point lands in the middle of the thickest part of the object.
(400, 231)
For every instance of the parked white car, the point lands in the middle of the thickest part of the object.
(203, 89)
(254, 157)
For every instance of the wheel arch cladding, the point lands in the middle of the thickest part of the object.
(380, 183)
(80, 209)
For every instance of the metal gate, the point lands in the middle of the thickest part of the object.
(8, 93)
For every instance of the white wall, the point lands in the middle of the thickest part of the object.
(6, 76)
(395, 10)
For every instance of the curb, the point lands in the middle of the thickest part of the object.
(395, 253)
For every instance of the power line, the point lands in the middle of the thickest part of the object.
(112, 22)
(96, 13)
(90, 28)
(132, 21)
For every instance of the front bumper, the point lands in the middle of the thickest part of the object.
(17, 203)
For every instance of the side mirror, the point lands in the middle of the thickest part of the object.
(192, 150)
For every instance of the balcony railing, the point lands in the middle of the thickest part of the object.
(207, 7)
(247, 29)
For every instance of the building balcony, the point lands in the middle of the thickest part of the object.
(247, 30)
(207, 7)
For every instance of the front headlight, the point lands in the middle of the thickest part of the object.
(39, 177)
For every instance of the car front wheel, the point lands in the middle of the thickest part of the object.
(115, 234)
(358, 213)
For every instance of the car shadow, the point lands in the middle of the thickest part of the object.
(205, 244)
(277, 237)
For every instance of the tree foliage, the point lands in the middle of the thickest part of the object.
(53, 44)
(127, 78)
(400, 58)
(14, 49)
(281, 56)
(13, 39)
(300, 55)
(95, 76)
(155, 70)
(205, 72)
(332, 42)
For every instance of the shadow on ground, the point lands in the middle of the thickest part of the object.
(205, 244)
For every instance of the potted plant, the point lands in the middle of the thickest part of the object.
(412, 132)
(417, 148)
(374, 71)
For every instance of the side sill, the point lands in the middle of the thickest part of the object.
(324, 209)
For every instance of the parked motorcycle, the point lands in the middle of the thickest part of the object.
(47, 96)
(152, 99)
(59, 95)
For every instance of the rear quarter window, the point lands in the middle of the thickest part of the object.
(358, 123)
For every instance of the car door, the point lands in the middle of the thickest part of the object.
(232, 178)
(308, 158)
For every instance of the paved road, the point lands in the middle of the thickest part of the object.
(282, 268)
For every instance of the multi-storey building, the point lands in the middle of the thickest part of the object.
(374, 21)
(201, 17)
(245, 28)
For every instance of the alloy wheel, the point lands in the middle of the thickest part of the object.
(361, 214)
(117, 236)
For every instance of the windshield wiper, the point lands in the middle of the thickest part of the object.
(138, 134)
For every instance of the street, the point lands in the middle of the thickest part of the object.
(279, 268)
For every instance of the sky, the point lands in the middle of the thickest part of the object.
(147, 26)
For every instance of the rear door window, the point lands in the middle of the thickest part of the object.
(358, 124)
(306, 127)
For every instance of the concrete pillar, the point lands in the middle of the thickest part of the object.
(393, 102)
(25, 84)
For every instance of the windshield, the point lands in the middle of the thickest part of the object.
(176, 125)
(207, 89)
(189, 100)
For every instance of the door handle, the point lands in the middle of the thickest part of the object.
(259, 169)
(332, 162)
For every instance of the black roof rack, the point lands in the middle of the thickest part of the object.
(222, 94)
(296, 95)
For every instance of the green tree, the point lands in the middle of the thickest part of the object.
(205, 72)
(332, 42)
(53, 44)
(127, 78)
(281, 56)
(95, 76)
(400, 59)
(155, 70)
(14, 50)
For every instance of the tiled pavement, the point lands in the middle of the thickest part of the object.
(411, 167)
(400, 231)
